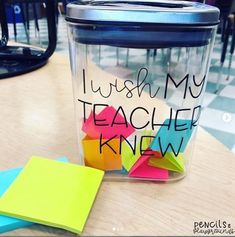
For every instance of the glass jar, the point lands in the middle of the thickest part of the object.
(139, 72)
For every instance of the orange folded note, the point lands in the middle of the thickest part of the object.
(104, 157)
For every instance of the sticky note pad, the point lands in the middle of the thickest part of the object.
(102, 154)
(109, 122)
(6, 179)
(169, 162)
(8, 223)
(172, 138)
(52, 193)
(141, 169)
(121, 172)
(129, 157)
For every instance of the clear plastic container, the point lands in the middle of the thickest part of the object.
(139, 72)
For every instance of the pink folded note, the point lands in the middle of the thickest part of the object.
(89, 127)
(109, 122)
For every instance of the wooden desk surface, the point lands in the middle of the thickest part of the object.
(37, 118)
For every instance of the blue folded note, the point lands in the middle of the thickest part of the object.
(6, 179)
(172, 136)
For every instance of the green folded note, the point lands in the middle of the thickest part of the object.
(169, 162)
(52, 193)
(128, 158)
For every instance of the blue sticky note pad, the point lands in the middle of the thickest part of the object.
(172, 138)
(6, 179)
(122, 171)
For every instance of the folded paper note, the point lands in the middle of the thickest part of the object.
(109, 122)
(52, 193)
(90, 128)
(141, 169)
(129, 157)
(173, 136)
(101, 155)
(169, 162)
(6, 179)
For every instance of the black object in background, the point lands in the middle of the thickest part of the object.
(16, 60)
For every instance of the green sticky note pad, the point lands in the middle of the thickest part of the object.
(52, 193)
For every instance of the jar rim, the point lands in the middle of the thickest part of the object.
(165, 12)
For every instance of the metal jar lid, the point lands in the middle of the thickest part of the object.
(143, 12)
(142, 24)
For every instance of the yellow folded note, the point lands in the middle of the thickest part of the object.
(52, 193)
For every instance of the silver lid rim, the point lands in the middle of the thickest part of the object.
(191, 14)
